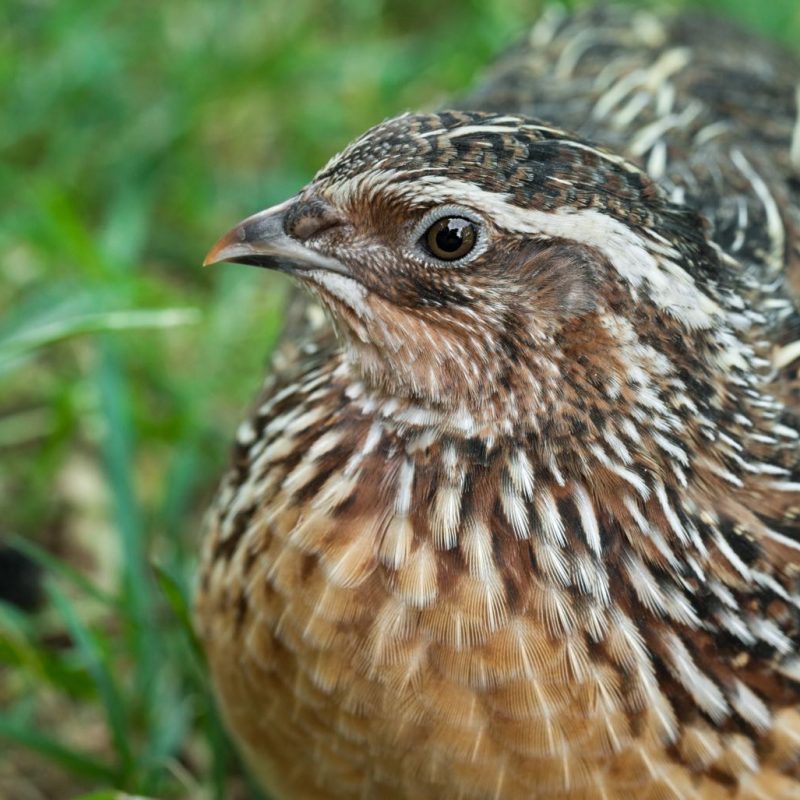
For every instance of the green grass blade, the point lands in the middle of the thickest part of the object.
(111, 796)
(47, 332)
(119, 456)
(77, 762)
(179, 604)
(37, 664)
(97, 663)
(62, 569)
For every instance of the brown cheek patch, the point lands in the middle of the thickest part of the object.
(560, 280)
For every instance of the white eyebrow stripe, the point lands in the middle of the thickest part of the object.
(670, 286)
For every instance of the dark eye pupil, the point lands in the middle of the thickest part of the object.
(451, 238)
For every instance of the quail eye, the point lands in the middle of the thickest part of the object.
(451, 238)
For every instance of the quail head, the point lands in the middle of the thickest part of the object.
(526, 525)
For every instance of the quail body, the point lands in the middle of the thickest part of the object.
(518, 518)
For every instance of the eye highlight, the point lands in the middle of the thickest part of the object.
(451, 238)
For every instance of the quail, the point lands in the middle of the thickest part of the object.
(518, 516)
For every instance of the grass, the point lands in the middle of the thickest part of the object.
(132, 135)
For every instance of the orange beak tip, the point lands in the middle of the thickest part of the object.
(218, 252)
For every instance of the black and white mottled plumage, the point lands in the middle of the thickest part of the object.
(529, 527)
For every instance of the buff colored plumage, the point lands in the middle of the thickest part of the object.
(527, 526)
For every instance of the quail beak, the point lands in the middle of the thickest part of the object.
(262, 241)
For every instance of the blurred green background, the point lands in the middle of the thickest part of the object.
(132, 135)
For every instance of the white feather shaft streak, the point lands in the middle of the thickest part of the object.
(445, 516)
(667, 65)
(516, 510)
(468, 130)
(476, 544)
(785, 355)
(586, 512)
(670, 514)
(775, 227)
(703, 690)
(652, 133)
(521, 473)
(550, 522)
(545, 29)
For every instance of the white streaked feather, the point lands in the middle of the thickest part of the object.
(588, 518)
(736, 626)
(552, 561)
(591, 578)
(750, 706)
(550, 522)
(521, 472)
(336, 490)
(324, 444)
(405, 482)
(445, 516)
(790, 668)
(644, 584)
(768, 631)
(396, 543)
(775, 227)
(476, 544)
(669, 513)
(516, 510)
(729, 554)
(702, 689)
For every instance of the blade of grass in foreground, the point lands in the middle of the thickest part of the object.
(179, 604)
(40, 667)
(78, 763)
(97, 663)
(62, 569)
(111, 796)
(37, 335)
(119, 454)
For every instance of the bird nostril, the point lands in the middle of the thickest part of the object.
(309, 218)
